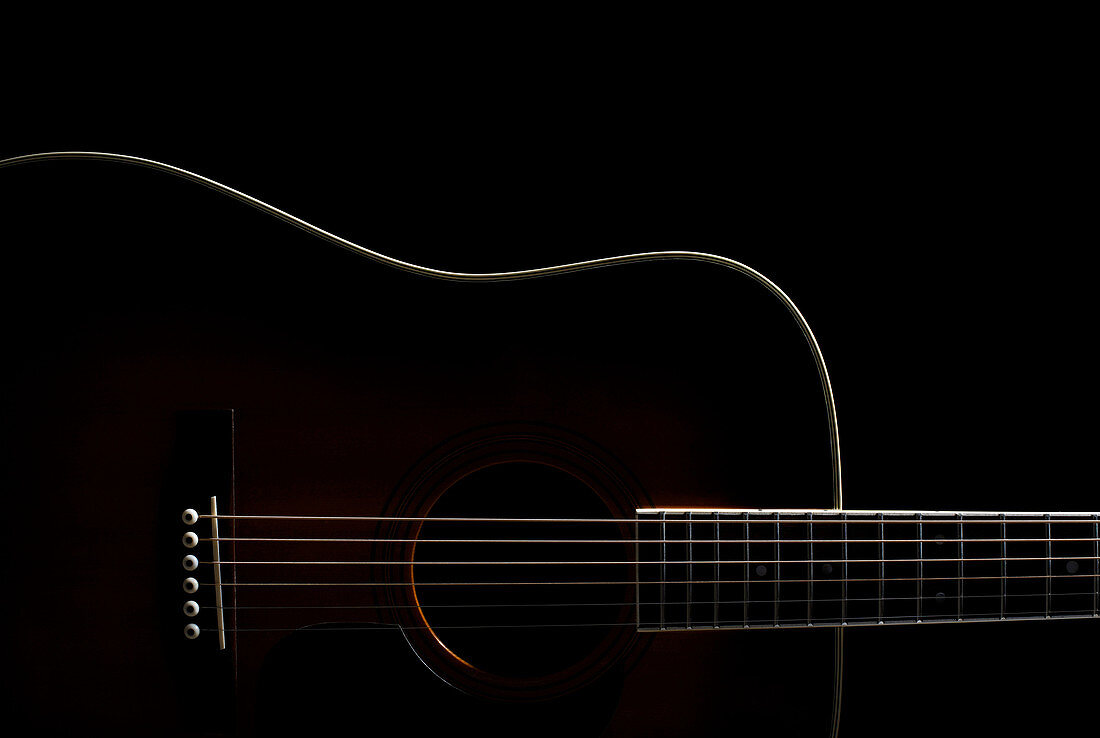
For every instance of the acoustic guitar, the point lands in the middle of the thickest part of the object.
(261, 480)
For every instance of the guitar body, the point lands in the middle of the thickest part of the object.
(228, 355)
(165, 345)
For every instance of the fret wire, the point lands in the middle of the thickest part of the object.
(1096, 566)
(233, 525)
(778, 552)
(881, 565)
(664, 555)
(962, 562)
(1049, 553)
(1004, 566)
(691, 572)
(844, 585)
(810, 583)
(746, 583)
(920, 566)
(638, 574)
(718, 566)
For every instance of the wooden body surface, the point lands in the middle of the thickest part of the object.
(343, 377)
(137, 300)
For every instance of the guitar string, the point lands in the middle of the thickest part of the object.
(633, 582)
(650, 540)
(693, 562)
(784, 601)
(496, 605)
(1080, 518)
(705, 623)
(702, 625)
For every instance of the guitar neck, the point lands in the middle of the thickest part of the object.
(801, 568)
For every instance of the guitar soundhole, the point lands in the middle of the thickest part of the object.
(524, 600)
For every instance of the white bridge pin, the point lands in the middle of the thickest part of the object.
(190, 563)
(190, 539)
(191, 631)
(190, 585)
(190, 608)
(190, 516)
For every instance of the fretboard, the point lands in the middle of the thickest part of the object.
(799, 568)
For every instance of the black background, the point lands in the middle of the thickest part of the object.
(923, 214)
